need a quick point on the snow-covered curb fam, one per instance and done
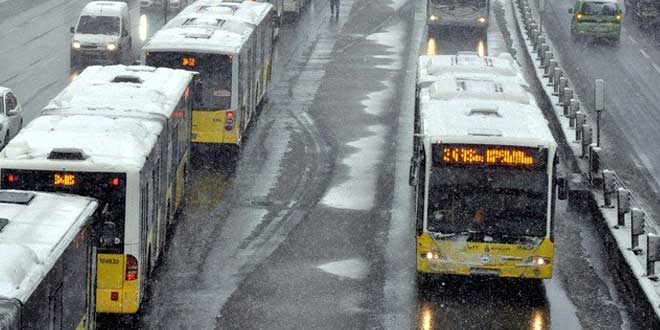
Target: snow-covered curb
(636, 263)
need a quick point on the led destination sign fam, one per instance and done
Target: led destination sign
(488, 155)
(64, 179)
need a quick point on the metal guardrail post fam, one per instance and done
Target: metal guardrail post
(547, 56)
(594, 163)
(609, 183)
(652, 255)
(636, 229)
(566, 102)
(573, 108)
(563, 83)
(586, 139)
(555, 80)
(580, 120)
(622, 206)
(550, 71)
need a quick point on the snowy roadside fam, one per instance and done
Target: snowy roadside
(621, 234)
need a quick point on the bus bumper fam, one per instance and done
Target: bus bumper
(122, 301)
(450, 268)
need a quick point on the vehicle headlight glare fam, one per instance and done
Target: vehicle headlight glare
(482, 20)
(433, 18)
(76, 45)
(111, 47)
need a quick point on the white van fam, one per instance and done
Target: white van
(102, 34)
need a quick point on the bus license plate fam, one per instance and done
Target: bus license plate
(484, 272)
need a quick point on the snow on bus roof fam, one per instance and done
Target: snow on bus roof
(433, 67)
(210, 26)
(478, 86)
(35, 236)
(248, 11)
(195, 39)
(111, 143)
(120, 87)
(485, 121)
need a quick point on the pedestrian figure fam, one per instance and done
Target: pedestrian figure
(334, 7)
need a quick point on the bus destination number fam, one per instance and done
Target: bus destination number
(64, 179)
(485, 155)
(189, 62)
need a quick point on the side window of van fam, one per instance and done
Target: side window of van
(2, 104)
(11, 101)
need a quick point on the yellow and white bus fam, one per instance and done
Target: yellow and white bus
(230, 45)
(121, 135)
(485, 177)
(47, 260)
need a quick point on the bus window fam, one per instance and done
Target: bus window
(213, 84)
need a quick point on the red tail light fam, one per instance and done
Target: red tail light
(115, 181)
(11, 178)
(131, 268)
(229, 120)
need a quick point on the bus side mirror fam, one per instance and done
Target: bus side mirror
(73, 29)
(562, 188)
(570, 10)
(412, 175)
(277, 21)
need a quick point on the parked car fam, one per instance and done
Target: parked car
(102, 33)
(11, 118)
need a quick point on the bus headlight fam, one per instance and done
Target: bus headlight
(540, 261)
(433, 18)
(481, 20)
(431, 256)
(75, 45)
(111, 47)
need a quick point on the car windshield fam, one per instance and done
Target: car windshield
(98, 25)
(599, 8)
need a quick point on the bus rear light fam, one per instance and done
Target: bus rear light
(11, 178)
(115, 181)
(131, 268)
(229, 115)
(114, 296)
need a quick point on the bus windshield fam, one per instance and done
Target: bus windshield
(497, 202)
(214, 82)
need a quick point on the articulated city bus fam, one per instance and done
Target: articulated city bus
(230, 45)
(458, 13)
(47, 256)
(484, 171)
(121, 135)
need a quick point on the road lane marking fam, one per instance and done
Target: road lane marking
(633, 40)
(644, 53)
(656, 67)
